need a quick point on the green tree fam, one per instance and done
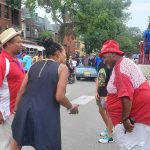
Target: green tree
(94, 21)
(43, 35)
(46, 34)
(14, 3)
(129, 40)
(101, 20)
(62, 12)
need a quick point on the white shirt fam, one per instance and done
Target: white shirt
(74, 63)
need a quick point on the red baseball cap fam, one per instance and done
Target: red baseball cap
(110, 46)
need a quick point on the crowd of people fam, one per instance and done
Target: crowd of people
(30, 107)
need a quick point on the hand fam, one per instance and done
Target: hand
(74, 109)
(1, 118)
(128, 126)
(97, 96)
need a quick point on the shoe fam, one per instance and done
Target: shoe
(104, 133)
(105, 140)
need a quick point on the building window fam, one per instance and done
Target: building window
(6, 13)
(0, 10)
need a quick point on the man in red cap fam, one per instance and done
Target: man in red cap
(128, 99)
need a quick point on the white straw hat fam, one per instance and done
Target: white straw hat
(8, 34)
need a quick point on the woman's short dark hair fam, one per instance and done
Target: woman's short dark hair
(51, 47)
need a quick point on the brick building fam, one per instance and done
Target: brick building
(72, 45)
(9, 17)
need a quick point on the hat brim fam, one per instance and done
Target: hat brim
(119, 52)
(9, 37)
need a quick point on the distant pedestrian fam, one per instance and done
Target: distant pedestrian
(37, 120)
(98, 60)
(11, 77)
(86, 60)
(74, 63)
(147, 43)
(128, 99)
(27, 61)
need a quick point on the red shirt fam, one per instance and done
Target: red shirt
(11, 77)
(128, 80)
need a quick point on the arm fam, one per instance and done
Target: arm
(125, 92)
(61, 90)
(126, 109)
(21, 91)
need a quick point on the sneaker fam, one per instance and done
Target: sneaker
(104, 133)
(105, 140)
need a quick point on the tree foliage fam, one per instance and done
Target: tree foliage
(101, 20)
(61, 11)
(129, 39)
(94, 21)
(44, 34)
(14, 3)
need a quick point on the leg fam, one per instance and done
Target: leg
(102, 112)
(110, 126)
(147, 54)
(14, 146)
(6, 134)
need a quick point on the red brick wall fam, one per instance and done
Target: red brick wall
(6, 22)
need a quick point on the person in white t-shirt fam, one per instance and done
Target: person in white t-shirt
(74, 63)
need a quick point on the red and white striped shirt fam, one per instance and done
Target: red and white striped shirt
(11, 77)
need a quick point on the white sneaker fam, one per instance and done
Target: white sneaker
(105, 140)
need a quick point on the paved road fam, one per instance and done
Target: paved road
(81, 132)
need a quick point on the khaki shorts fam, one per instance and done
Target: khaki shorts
(6, 133)
(101, 102)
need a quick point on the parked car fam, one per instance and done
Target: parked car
(85, 72)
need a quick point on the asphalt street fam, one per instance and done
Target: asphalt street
(81, 132)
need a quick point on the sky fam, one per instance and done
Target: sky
(139, 9)
(140, 12)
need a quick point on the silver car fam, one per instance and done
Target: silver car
(85, 72)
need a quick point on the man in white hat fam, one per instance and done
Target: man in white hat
(11, 77)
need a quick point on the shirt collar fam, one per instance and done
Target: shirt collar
(6, 54)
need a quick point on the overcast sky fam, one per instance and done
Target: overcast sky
(139, 9)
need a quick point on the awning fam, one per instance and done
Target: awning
(39, 48)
